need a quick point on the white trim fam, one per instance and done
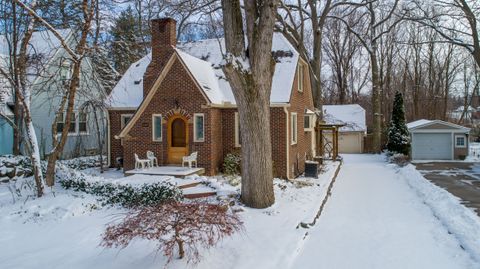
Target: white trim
(310, 126)
(195, 138)
(300, 77)
(153, 127)
(464, 141)
(439, 131)
(122, 117)
(237, 131)
(292, 127)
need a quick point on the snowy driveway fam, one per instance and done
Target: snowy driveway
(375, 220)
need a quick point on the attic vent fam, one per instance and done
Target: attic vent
(136, 82)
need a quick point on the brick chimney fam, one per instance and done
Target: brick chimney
(164, 39)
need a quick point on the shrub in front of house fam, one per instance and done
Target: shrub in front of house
(125, 195)
(232, 164)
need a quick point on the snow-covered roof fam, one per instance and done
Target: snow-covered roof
(204, 58)
(417, 123)
(423, 123)
(203, 73)
(469, 109)
(129, 90)
(353, 116)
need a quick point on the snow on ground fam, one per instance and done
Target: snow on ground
(63, 230)
(375, 219)
(473, 152)
(461, 221)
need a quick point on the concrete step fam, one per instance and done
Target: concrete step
(199, 191)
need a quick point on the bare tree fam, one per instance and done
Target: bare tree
(249, 68)
(456, 21)
(380, 18)
(77, 56)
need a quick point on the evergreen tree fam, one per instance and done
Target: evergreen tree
(398, 135)
(128, 46)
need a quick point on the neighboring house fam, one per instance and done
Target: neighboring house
(469, 116)
(6, 131)
(48, 74)
(351, 136)
(438, 140)
(177, 101)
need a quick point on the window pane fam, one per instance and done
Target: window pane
(157, 128)
(306, 122)
(59, 127)
(82, 127)
(199, 130)
(72, 127)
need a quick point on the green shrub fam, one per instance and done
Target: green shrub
(232, 164)
(126, 195)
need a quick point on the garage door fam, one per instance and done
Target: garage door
(432, 146)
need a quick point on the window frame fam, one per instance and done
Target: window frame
(300, 77)
(195, 138)
(154, 139)
(311, 119)
(122, 119)
(77, 123)
(66, 70)
(237, 131)
(464, 141)
(293, 128)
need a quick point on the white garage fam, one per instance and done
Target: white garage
(438, 140)
(351, 136)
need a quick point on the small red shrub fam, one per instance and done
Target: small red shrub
(187, 226)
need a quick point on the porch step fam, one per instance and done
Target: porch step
(199, 191)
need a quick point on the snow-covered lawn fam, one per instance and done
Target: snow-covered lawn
(383, 216)
(63, 229)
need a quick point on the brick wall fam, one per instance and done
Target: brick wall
(277, 129)
(116, 149)
(177, 89)
(298, 102)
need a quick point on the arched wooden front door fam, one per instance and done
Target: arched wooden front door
(177, 138)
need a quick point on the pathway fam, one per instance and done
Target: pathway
(375, 220)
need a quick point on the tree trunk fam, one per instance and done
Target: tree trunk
(376, 104)
(251, 86)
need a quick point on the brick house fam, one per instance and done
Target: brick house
(176, 100)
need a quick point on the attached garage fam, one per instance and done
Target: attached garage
(438, 140)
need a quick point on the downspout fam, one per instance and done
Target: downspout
(108, 140)
(286, 140)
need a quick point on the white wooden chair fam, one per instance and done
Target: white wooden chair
(141, 162)
(190, 159)
(152, 158)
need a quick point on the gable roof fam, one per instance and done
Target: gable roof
(422, 123)
(204, 60)
(353, 116)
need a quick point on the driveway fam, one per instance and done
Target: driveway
(375, 220)
(461, 179)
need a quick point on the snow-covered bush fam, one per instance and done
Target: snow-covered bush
(399, 159)
(231, 164)
(174, 225)
(84, 162)
(124, 195)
